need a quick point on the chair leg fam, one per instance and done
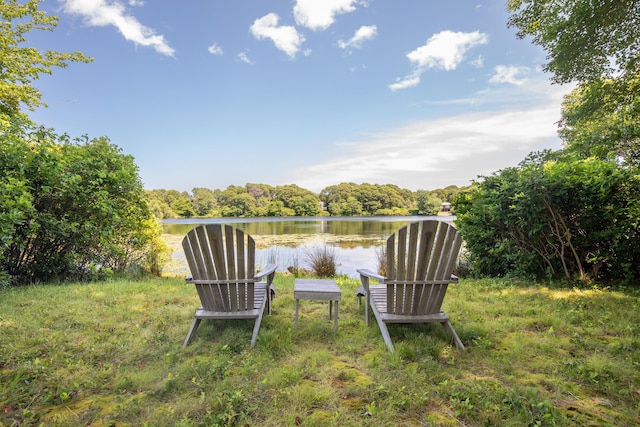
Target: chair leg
(272, 294)
(449, 327)
(383, 328)
(366, 310)
(192, 330)
(256, 326)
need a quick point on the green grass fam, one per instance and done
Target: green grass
(109, 354)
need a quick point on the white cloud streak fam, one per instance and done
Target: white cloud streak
(320, 14)
(454, 150)
(444, 50)
(509, 74)
(99, 13)
(362, 34)
(285, 38)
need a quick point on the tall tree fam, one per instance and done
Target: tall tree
(20, 65)
(597, 44)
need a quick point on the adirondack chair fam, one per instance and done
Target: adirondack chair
(221, 259)
(420, 260)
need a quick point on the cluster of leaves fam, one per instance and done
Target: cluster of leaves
(348, 199)
(585, 40)
(70, 208)
(21, 65)
(601, 118)
(262, 200)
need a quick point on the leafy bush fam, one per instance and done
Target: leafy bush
(555, 216)
(71, 208)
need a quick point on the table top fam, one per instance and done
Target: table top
(319, 289)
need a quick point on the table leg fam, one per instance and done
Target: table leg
(330, 307)
(297, 306)
(335, 320)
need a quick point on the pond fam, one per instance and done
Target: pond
(287, 241)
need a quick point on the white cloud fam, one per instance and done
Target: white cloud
(244, 58)
(320, 14)
(99, 13)
(509, 74)
(435, 153)
(478, 62)
(136, 3)
(444, 50)
(364, 33)
(409, 81)
(285, 38)
(215, 49)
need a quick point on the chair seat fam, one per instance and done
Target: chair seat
(379, 298)
(259, 292)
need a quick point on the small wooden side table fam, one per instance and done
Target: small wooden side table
(318, 289)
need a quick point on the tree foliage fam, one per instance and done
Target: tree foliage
(263, 200)
(584, 39)
(67, 208)
(572, 213)
(554, 217)
(20, 65)
(601, 118)
(71, 208)
(427, 203)
(367, 199)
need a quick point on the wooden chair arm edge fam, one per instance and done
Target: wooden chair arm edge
(268, 270)
(370, 274)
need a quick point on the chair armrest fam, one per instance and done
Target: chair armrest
(365, 275)
(370, 274)
(269, 271)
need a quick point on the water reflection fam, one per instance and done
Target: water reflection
(287, 241)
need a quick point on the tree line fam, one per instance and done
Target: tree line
(263, 200)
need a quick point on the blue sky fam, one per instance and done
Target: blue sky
(205, 93)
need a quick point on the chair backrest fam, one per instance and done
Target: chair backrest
(222, 263)
(420, 260)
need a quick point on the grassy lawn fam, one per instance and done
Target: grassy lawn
(110, 354)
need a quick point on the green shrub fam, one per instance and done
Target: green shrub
(74, 207)
(554, 216)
